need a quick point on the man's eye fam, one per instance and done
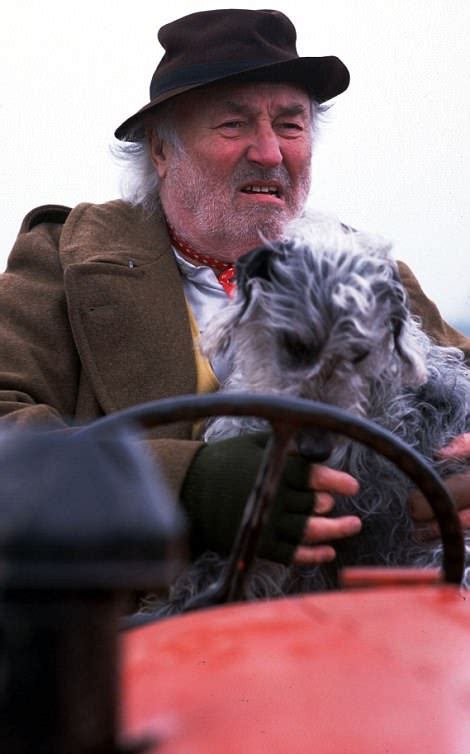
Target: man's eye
(232, 124)
(290, 129)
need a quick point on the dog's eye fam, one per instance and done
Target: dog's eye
(360, 356)
(300, 352)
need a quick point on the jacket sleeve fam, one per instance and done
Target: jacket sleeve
(173, 457)
(39, 366)
(428, 313)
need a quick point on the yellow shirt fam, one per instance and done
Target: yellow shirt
(207, 382)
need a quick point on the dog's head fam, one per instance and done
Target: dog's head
(321, 322)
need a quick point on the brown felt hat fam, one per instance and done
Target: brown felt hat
(234, 45)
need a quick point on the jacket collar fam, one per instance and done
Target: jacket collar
(113, 232)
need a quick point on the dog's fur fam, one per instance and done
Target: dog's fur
(325, 318)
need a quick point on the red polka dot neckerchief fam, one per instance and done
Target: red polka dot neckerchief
(225, 271)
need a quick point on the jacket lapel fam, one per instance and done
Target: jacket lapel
(126, 305)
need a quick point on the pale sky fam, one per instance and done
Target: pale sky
(393, 156)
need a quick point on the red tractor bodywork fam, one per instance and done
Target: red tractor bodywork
(371, 671)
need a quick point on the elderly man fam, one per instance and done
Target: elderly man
(101, 304)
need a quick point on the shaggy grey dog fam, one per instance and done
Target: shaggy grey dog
(326, 318)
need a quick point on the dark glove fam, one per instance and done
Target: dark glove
(216, 488)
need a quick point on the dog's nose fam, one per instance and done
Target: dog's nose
(314, 445)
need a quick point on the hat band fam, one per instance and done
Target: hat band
(202, 73)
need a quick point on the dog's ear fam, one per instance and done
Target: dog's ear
(406, 346)
(399, 315)
(254, 264)
(388, 290)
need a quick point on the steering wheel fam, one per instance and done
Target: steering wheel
(287, 416)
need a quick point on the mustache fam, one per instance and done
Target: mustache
(251, 174)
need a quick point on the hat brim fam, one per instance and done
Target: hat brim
(322, 77)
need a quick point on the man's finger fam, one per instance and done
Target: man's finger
(324, 503)
(458, 448)
(314, 555)
(320, 529)
(429, 531)
(458, 486)
(331, 480)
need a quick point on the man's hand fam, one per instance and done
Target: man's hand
(298, 530)
(458, 448)
(319, 529)
(458, 485)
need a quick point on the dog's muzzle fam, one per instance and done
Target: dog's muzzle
(314, 445)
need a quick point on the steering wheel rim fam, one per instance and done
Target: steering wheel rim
(297, 413)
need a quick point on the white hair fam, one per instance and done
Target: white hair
(140, 182)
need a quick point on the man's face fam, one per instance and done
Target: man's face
(244, 169)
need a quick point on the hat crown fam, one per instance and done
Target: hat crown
(207, 39)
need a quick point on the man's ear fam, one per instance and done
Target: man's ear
(157, 152)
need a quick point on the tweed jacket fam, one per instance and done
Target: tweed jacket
(93, 320)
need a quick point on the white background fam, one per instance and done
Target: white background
(393, 156)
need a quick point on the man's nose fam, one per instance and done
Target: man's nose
(264, 148)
